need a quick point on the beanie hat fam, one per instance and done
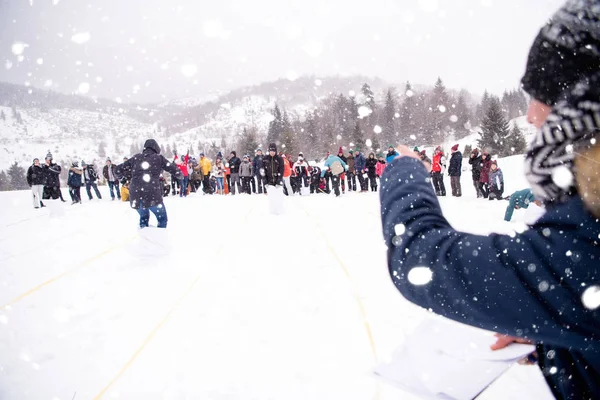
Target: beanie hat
(83, 163)
(75, 164)
(202, 154)
(108, 159)
(416, 149)
(49, 156)
(273, 147)
(455, 147)
(475, 151)
(439, 148)
(494, 162)
(351, 152)
(234, 153)
(340, 150)
(36, 159)
(390, 146)
(259, 149)
(301, 154)
(564, 51)
(423, 153)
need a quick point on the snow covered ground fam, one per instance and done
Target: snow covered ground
(229, 302)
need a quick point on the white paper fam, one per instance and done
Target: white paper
(443, 359)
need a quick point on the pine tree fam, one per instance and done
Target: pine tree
(515, 143)
(275, 126)
(408, 112)
(494, 128)
(482, 108)
(368, 94)
(467, 151)
(390, 130)
(358, 137)
(288, 137)
(311, 133)
(439, 107)
(463, 115)
(2, 116)
(248, 141)
(168, 152)
(18, 177)
(4, 182)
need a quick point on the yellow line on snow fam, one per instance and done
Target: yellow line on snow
(67, 272)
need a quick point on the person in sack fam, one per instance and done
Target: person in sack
(206, 168)
(90, 177)
(539, 286)
(381, 163)
(336, 167)
(273, 167)
(113, 183)
(75, 182)
(496, 182)
(36, 180)
(145, 189)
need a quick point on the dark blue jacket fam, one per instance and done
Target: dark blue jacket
(529, 285)
(74, 179)
(521, 199)
(455, 164)
(360, 162)
(257, 164)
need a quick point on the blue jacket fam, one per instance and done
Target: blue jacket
(391, 156)
(521, 199)
(74, 179)
(330, 160)
(528, 285)
(360, 162)
(455, 167)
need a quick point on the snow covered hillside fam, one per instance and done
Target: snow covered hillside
(229, 302)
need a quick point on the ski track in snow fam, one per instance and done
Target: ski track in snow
(229, 302)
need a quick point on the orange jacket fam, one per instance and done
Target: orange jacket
(287, 169)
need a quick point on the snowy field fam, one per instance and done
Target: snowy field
(229, 302)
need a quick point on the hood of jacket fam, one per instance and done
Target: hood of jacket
(152, 145)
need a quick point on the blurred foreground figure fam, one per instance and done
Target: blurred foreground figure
(542, 285)
(145, 188)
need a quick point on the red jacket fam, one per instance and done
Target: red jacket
(287, 169)
(184, 166)
(436, 165)
(379, 168)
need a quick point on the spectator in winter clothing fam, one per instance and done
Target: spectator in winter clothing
(391, 154)
(246, 174)
(454, 170)
(381, 163)
(219, 174)
(476, 163)
(287, 173)
(301, 173)
(426, 160)
(36, 179)
(51, 179)
(343, 175)
(438, 168)
(540, 285)
(351, 173)
(113, 183)
(234, 167)
(75, 182)
(315, 179)
(145, 190)
(206, 167)
(484, 175)
(182, 164)
(90, 177)
(519, 199)
(372, 171)
(273, 167)
(257, 166)
(359, 166)
(126, 176)
(496, 182)
(336, 167)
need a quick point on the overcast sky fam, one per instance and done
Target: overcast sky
(151, 50)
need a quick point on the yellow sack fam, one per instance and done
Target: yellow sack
(125, 193)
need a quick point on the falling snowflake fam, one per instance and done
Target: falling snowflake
(99, 79)
(419, 276)
(453, 118)
(543, 286)
(562, 177)
(377, 129)
(351, 93)
(399, 229)
(81, 37)
(591, 297)
(8, 64)
(442, 109)
(318, 82)
(83, 88)
(18, 48)
(40, 61)
(364, 111)
(410, 93)
(146, 178)
(368, 143)
(413, 137)
(145, 165)
(339, 137)
(397, 115)
(531, 268)
(189, 70)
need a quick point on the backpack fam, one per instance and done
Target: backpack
(336, 168)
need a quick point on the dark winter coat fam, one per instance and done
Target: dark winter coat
(455, 167)
(105, 171)
(145, 188)
(51, 175)
(350, 162)
(497, 180)
(90, 174)
(529, 285)
(257, 164)
(234, 165)
(359, 162)
(371, 166)
(476, 167)
(75, 179)
(36, 175)
(343, 158)
(484, 174)
(273, 167)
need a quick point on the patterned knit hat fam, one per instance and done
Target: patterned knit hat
(49, 156)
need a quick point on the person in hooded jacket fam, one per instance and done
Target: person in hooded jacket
(315, 178)
(90, 177)
(484, 174)
(496, 182)
(246, 174)
(455, 170)
(391, 154)
(145, 189)
(372, 171)
(301, 173)
(335, 167)
(75, 182)
(234, 167)
(438, 167)
(351, 173)
(51, 179)
(475, 160)
(540, 285)
(36, 180)
(257, 166)
(359, 166)
(273, 167)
